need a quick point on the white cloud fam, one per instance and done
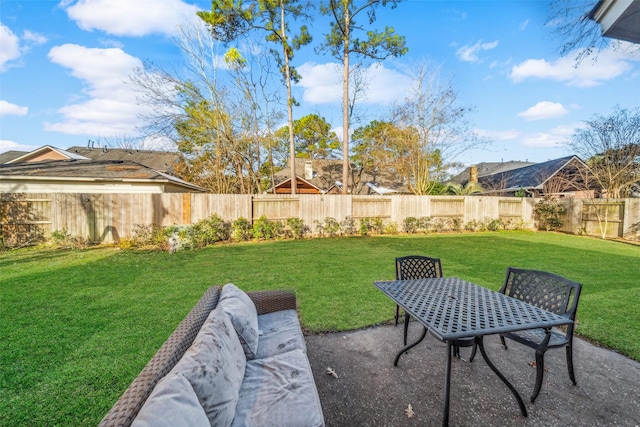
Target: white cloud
(130, 18)
(9, 109)
(34, 38)
(609, 65)
(9, 47)
(553, 138)
(322, 84)
(470, 53)
(498, 135)
(8, 145)
(544, 110)
(112, 108)
(524, 25)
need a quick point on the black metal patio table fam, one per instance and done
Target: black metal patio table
(452, 308)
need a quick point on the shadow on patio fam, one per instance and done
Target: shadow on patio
(370, 391)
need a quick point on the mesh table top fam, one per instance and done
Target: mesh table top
(454, 308)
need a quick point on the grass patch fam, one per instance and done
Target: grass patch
(78, 326)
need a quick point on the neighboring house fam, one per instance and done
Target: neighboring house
(49, 169)
(487, 168)
(322, 176)
(162, 161)
(618, 19)
(88, 176)
(561, 177)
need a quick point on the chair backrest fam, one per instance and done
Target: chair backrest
(544, 290)
(417, 267)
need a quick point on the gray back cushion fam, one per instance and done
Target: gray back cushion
(244, 317)
(215, 366)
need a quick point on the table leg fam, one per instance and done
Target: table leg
(523, 409)
(447, 387)
(413, 344)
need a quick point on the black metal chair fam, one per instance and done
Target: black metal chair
(552, 293)
(422, 267)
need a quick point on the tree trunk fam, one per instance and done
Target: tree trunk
(345, 103)
(292, 148)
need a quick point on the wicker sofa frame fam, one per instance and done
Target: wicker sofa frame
(127, 407)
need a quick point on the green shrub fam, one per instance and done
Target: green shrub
(424, 224)
(493, 224)
(208, 231)
(456, 224)
(331, 226)
(241, 230)
(548, 213)
(365, 226)
(297, 227)
(265, 229)
(410, 225)
(391, 228)
(348, 226)
(376, 225)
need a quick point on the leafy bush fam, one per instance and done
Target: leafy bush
(208, 231)
(424, 223)
(365, 226)
(265, 229)
(331, 226)
(410, 225)
(377, 225)
(493, 224)
(391, 228)
(241, 230)
(297, 227)
(348, 226)
(456, 223)
(548, 212)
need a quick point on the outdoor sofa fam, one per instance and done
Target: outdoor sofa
(237, 359)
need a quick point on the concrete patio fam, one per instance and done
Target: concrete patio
(370, 391)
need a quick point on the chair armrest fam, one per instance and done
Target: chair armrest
(270, 301)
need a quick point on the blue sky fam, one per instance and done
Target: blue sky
(64, 67)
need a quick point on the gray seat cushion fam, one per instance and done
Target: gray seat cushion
(215, 367)
(280, 332)
(279, 391)
(244, 317)
(172, 403)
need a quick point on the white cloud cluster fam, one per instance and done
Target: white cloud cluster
(610, 64)
(13, 47)
(552, 138)
(470, 53)
(9, 47)
(544, 110)
(112, 108)
(322, 84)
(9, 109)
(130, 18)
(498, 135)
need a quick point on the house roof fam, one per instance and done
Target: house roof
(528, 177)
(618, 19)
(10, 155)
(158, 160)
(93, 170)
(46, 152)
(488, 168)
(326, 174)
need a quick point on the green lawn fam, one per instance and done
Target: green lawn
(77, 326)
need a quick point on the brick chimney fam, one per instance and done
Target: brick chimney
(473, 174)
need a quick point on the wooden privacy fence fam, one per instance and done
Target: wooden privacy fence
(103, 218)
